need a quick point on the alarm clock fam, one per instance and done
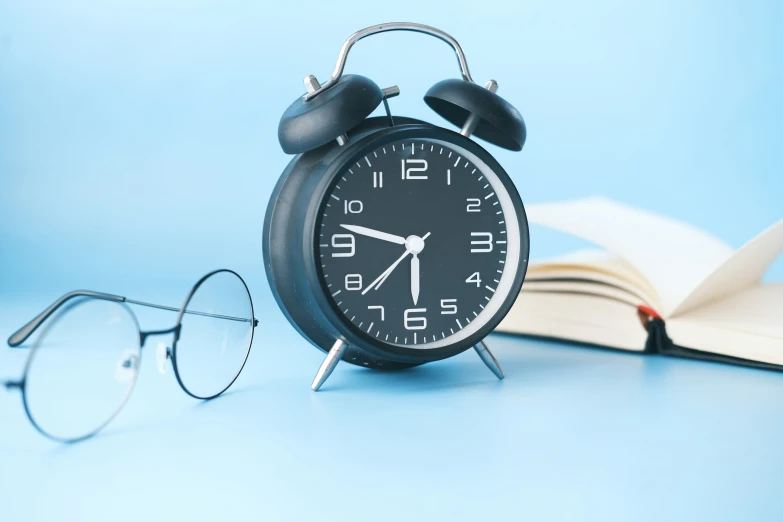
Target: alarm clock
(390, 242)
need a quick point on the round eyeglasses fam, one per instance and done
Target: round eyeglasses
(85, 361)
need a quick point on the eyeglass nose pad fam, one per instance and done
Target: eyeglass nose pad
(127, 366)
(161, 354)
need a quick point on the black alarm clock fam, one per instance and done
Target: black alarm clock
(391, 242)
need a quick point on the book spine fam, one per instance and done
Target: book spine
(658, 340)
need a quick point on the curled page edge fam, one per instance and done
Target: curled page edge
(742, 270)
(673, 256)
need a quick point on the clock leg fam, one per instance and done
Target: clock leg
(332, 358)
(488, 359)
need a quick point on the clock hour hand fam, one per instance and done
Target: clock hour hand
(377, 234)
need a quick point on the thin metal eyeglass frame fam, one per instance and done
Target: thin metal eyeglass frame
(22, 334)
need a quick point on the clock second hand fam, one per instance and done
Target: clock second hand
(386, 273)
(381, 278)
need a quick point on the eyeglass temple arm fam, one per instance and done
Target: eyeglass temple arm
(22, 334)
(27, 330)
(192, 312)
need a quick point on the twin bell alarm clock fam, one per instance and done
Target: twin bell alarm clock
(391, 242)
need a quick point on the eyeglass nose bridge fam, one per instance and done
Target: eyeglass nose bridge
(143, 336)
(162, 352)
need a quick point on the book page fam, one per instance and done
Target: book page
(598, 265)
(742, 270)
(574, 317)
(754, 310)
(748, 325)
(673, 256)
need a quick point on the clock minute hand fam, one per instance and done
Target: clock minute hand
(415, 276)
(377, 234)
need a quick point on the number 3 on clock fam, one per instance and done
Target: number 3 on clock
(482, 245)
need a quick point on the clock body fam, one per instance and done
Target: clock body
(409, 243)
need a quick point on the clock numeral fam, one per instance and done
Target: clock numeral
(448, 306)
(344, 241)
(484, 244)
(353, 281)
(413, 322)
(353, 207)
(448, 176)
(408, 173)
(474, 204)
(474, 278)
(378, 307)
(377, 179)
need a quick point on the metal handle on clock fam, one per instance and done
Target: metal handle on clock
(382, 28)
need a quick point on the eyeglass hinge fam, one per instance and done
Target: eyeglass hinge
(13, 384)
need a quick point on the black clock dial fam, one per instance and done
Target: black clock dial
(418, 243)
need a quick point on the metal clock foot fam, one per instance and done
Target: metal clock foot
(327, 367)
(489, 359)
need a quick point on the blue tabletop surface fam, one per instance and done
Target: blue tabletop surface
(570, 434)
(138, 149)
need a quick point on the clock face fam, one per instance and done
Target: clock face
(418, 243)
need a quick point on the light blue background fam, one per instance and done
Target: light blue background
(138, 149)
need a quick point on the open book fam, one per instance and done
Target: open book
(658, 285)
